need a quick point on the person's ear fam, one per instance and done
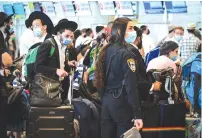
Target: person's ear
(45, 27)
(169, 54)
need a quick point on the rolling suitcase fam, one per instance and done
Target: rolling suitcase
(50, 122)
(164, 118)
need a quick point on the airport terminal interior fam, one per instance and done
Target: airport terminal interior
(100, 69)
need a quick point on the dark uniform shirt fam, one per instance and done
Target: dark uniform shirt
(122, 70)
(145, 79)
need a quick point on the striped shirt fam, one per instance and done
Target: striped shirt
(80, 69)
(188, 46)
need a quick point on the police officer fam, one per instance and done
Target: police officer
(116, 76)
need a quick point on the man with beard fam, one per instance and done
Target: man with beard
(145, 80)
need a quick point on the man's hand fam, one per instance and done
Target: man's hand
(177, 62)
(86, 77)
(16, 73)
(157, 86)
(61, 73)
(6, 72)
(138, 123)
(72, 63)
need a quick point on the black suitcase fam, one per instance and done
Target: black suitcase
(50, 122)
(163, 120)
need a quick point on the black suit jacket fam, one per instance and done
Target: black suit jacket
(2, 41)
(45, 64)
(145, 79)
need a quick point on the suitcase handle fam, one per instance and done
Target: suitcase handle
(70, 92)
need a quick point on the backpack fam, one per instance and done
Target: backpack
(191, 85)
(93, 58)
(152, 54)
(31, 58)
(86, 113)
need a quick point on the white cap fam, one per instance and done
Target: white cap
(191, 26)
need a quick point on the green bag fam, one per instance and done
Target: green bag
(30, 59)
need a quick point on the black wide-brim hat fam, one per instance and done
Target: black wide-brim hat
(99, 28)
(4, 17)
(65, 24)
(27, 23)
(42, 16)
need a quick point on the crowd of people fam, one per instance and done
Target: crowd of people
(112, 63)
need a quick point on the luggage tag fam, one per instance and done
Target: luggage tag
(170, 100)
(168, 88)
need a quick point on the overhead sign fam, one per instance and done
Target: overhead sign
(134, 7)
(153, 7)
(176, 6)
(124, 8)
(37, 6)
(68, 8)
(82, 8)
(106, 7)
(59, 10)
(48, 8)
(19, 8)
(8, 9)
(1, 8)
(34, 6)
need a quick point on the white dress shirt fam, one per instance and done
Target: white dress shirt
(147, 43)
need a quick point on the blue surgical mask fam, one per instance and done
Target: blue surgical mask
(66, 41)
(131, 37)
(37, 32)
(178, 37)
(174, 58)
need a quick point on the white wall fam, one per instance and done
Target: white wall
(157, 22)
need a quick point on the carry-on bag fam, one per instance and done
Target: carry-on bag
(131, 133)
(85, 112)
(51, 122)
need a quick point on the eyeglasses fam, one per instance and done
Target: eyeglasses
(35, 26)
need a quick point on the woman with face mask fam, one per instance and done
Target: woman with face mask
(167, 58)
(116, 80)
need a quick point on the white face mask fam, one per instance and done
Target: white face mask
(178, 37)
(37, 32)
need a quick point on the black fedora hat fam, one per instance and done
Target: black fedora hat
(42, 16)
(27, 23)
(65, 24)
(4, 17)
(99, 28)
